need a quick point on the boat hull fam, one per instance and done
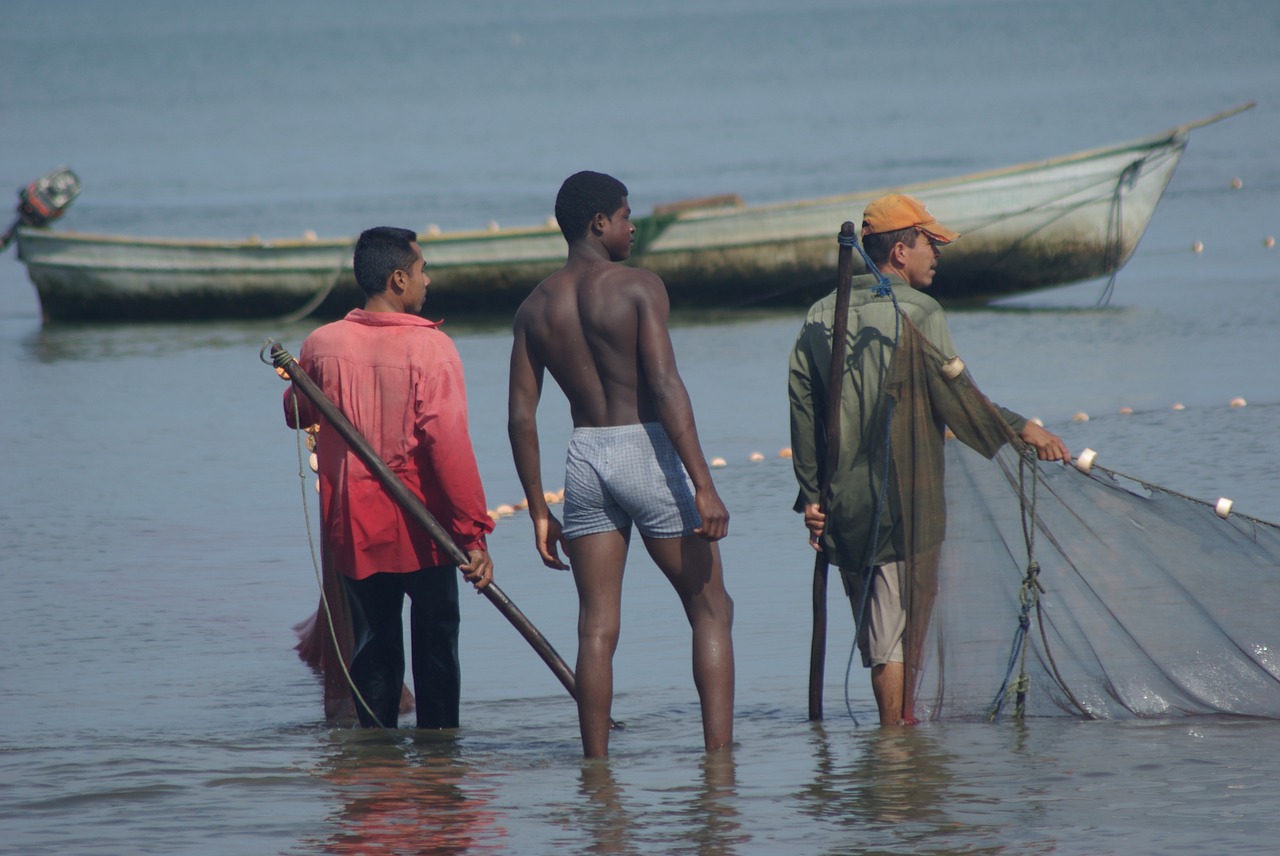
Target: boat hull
(1024, 228)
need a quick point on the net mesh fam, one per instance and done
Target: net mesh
(326, 641)
(1036, 589)
(1152, 605)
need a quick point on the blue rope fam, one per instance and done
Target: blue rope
(1029, 595)
(1017, 652)
(882, 288)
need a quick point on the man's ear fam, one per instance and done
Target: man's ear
(898, 254)
(395, 282)
(599, 222)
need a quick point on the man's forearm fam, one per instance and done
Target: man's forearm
(675, 413)
(528, 460)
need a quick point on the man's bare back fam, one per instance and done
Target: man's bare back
(600, 329)
(584, 325)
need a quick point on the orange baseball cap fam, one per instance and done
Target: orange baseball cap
(899, 211)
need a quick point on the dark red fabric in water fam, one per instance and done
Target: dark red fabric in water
(326, 649)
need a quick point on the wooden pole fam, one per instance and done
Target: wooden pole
(417, 511)
(835, 385)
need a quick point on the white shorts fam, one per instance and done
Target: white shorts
(885, 620)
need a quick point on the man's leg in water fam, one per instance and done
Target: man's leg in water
(888, 684)
(693, 567)
(880, 631)
(887, 615)
(597, 561)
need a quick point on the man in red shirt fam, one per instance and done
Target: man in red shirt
(399, 381)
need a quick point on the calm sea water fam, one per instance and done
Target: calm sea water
(153, 525)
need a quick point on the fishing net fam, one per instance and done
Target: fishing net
(326, 640)
(1148, 603)
(1038, 589)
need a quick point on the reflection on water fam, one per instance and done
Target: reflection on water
(715, 808)
(63, 341)
(903, 791)
(603, 813)
(98, 342)
(414, 796)
(901, 776)
(701, 817)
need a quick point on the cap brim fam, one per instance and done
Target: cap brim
(938, 232)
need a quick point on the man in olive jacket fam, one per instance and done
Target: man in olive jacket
(902, 239)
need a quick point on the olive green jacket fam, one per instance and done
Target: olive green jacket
(856, 484)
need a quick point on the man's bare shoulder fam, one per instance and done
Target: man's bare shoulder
(568, 283)
(624, 275)
(537, 299)
(637, 287)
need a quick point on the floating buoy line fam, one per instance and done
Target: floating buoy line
(1083, 463)
(557, 496)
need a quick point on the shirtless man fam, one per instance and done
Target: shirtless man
(600, 328)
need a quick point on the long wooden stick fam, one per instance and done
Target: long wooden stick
(417, 511)
(835, 385)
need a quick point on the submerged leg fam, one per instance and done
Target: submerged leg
(597, 562)
(888, 685)
(693, 567)
(881, 622)
(433, 628)
(377, 663)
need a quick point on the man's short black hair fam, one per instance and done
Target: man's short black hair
(380, 252)
(584, 195)
(879, 245)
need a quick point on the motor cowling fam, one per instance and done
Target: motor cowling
(45, 199)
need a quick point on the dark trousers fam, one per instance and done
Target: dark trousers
(377, 663)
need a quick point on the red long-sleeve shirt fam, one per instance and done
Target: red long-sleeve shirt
(399, 380)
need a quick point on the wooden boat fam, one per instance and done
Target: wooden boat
(1025, 227)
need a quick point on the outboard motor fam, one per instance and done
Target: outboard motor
(43, 201)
